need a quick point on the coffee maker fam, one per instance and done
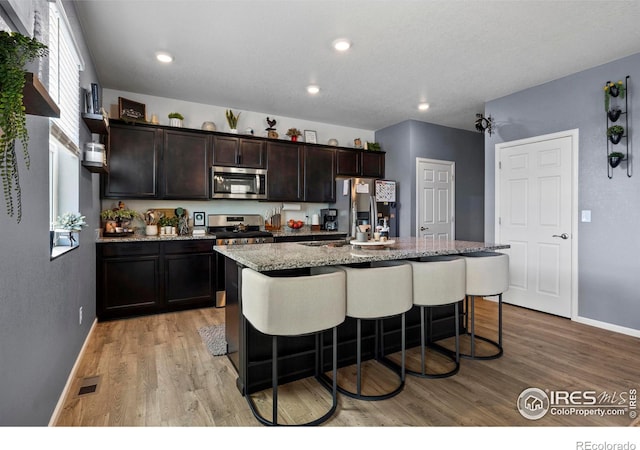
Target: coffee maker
(329, 219)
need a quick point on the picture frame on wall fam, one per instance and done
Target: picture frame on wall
(132, 110)
(310, 137)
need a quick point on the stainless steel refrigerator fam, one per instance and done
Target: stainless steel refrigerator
(366, 201)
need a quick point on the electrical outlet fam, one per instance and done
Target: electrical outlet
(80, 316)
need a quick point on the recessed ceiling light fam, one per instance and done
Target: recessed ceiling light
(342, 45)
(423, 106)
(164, 57)
(313, 89)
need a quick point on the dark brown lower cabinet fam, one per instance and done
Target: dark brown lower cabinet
(144, 278)
(189, 274)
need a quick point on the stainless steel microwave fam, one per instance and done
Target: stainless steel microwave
(238, 183)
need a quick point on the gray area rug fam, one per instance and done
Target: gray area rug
(214, 338)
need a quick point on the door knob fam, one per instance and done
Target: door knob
(563, 235)
(424, 228)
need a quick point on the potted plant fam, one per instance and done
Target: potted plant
(373, 146)
(71, 222)
(175, 119)
(612, 90)
(615, 158)
(167, 223)
(614, 133)
(293, 133)
(232, 121)
(117, 218)
(16, 50)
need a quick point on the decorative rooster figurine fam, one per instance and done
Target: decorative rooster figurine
(271, 123)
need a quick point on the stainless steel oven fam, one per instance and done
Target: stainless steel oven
(238, 183)
(234, 229)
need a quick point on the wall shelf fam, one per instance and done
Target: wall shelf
(36, 99)
(95, 167)
(97, 123)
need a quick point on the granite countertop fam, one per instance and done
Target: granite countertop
(144, 238)
(292, 255)
(304, 231)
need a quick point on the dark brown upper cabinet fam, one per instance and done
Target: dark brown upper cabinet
(185, 165)
(359, 163)
(372, 164)
(238, 152)
(134, 158)
(319, 174)
(151, 162)
(348, 162)
(284, 171)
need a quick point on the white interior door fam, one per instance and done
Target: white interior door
(535, 203)
(435, 186)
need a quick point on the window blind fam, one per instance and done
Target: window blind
(64, 75)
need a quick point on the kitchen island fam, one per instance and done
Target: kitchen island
(295, 259)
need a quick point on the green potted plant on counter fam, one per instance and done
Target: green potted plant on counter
(16, 50)
(116, 218)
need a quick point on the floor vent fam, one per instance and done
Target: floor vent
(88, 385)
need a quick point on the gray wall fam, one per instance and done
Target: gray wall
(411, 139)
(608, 281)
(39, 299)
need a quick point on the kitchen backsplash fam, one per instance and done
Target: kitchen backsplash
(223, 207)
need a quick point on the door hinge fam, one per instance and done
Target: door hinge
(499, 220)
(500, 165)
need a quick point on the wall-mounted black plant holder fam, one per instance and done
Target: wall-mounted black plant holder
(617, 132)
(615, 158)
(614, 113)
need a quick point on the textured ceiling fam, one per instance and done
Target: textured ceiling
(260, 55)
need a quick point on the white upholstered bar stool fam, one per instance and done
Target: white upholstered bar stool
(438, 281)
(377, 292)
(294, 306)
(487, 275)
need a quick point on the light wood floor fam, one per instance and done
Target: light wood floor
(156, 371)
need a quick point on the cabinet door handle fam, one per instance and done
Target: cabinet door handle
(561, 236)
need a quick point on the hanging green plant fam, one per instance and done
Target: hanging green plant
(612, 90)
(16, 50)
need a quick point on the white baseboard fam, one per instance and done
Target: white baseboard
(70, 379)
(607, 326)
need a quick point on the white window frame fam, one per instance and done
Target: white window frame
(64, 145)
